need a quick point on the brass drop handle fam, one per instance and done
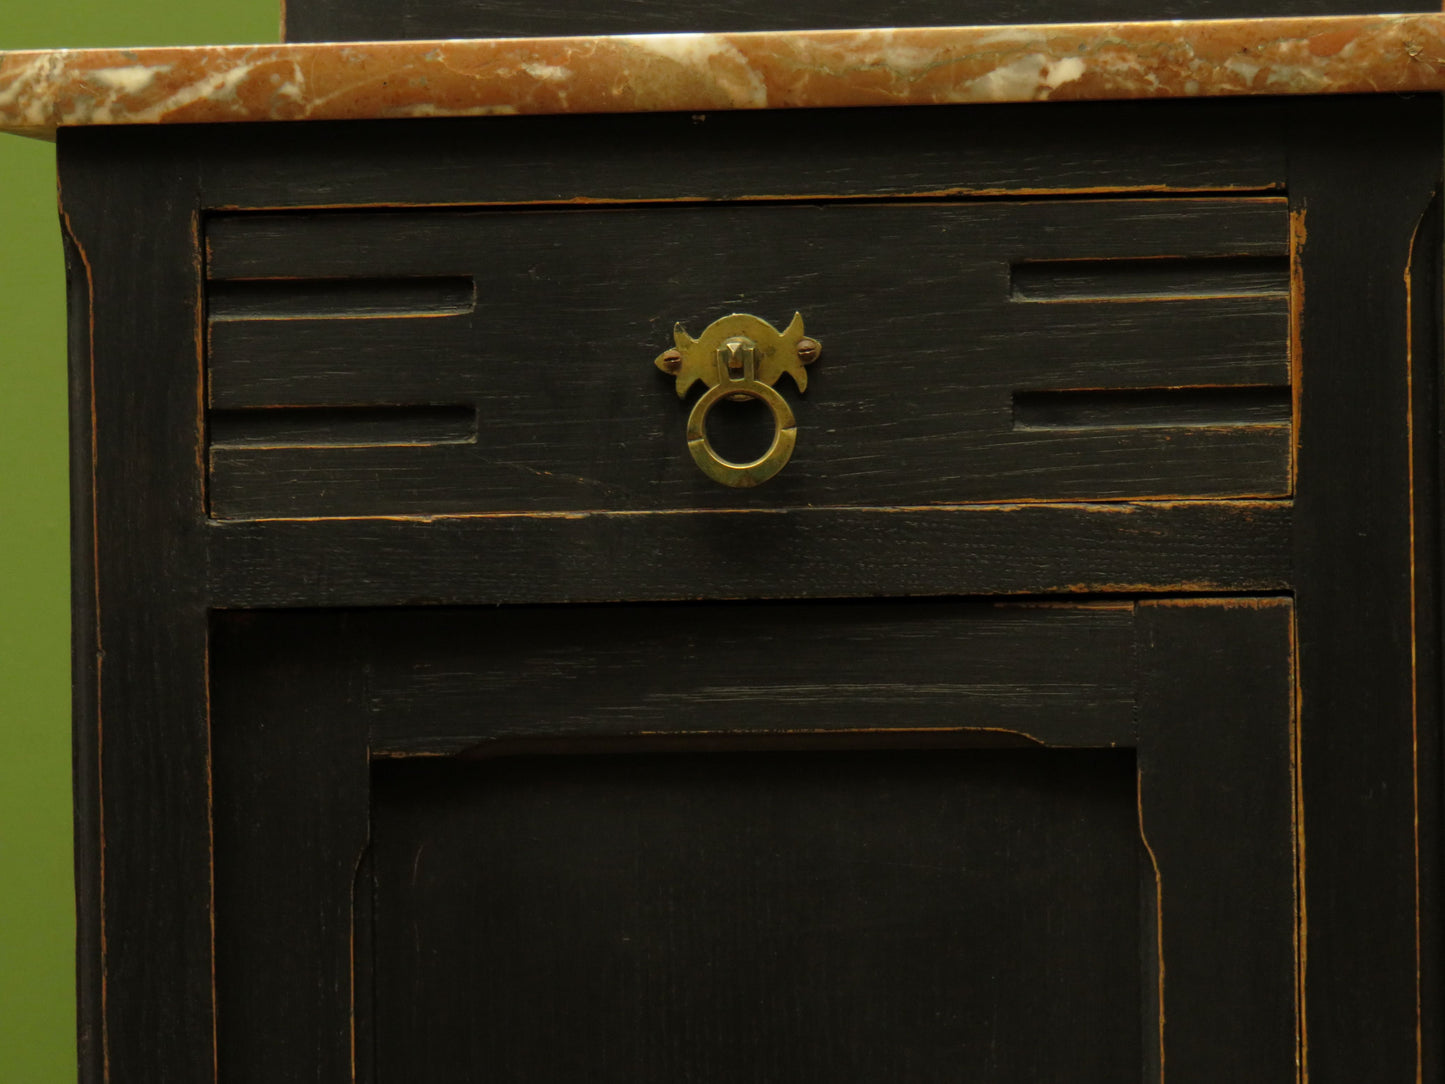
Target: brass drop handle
(740, 357)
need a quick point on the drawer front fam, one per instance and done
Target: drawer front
(442, 361)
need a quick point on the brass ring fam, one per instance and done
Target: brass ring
(742, 475)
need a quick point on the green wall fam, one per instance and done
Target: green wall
(37, 923)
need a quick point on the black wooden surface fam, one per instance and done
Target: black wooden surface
(913, 402)
(290, 791)
(1008, 549)
(85, 758)
(367, 20)
(1019, 675)
(896, 916)
(1355, 549)
(1426, 301)
(698, 878)
(993, 151)
(1217, 770)
(141, 721)
(1359, 593)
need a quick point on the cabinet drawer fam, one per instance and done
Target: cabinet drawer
(452, 361)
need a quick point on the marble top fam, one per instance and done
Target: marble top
(41, 91)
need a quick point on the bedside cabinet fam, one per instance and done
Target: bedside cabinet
(1065, 708)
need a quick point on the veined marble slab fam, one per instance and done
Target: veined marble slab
(41, 91)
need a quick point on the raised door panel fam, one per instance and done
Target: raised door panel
(740, 842)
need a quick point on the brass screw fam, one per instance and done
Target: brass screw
(808, 350)
(670, 360)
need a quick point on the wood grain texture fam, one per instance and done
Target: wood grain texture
(912, 396)
(1197, 147)
(1216, 804)
(142, 728)
(339, 298)
(797, 553)
(724, 917)
(292, 794)
(1124, 408)
(1123, 279)
(1355, 595)
(603, 754)
(84, 667)
(291, 693)
(1425, 304)
(1020, 675)
(350, 426)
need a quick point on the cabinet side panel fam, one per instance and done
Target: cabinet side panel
(1363, 174)
(1425, 326)
(85, 664)
(144, 741)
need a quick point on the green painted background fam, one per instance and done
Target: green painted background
(37, 923)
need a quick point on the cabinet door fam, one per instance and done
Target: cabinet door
(723, 842)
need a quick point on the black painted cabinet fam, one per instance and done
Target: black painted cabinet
(1066, 709)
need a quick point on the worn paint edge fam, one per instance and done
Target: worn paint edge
(98, 654)
(1298, 234)
(1410, 301)
(202, 479)
(991, 194)
(1301, 924)
(1158, 918)
(1120, 506)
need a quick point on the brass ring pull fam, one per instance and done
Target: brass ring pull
(742, 475)
(740, 357)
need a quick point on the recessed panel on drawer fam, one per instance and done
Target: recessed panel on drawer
(453, 361)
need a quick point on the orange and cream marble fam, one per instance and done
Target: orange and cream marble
(44, 90)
